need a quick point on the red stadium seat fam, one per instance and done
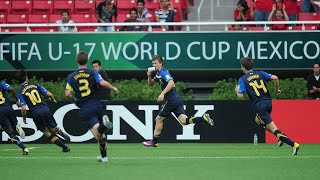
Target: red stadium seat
(43, 29)
(85, 7)
(256, 28)
(83, 18)
(5, 6)
(60, 5)
(153, 5)
(54, 17)
(42, 6)
(38, 18)
(3, 18)
(124, 6)
(308, 27)
(309, 17)
(21, 6)
(16, 18)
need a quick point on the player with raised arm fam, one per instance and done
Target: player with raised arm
(170, 100)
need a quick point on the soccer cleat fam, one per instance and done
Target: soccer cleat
(25, 151)
(208, 119)
(295, 148)
(63, 135)
(280, 143)
(107, 122)
(149, 144)
(20, 131)
(66, 150)
(101, 159)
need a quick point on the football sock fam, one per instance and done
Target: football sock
(283, 137)
(194, 120)
(102, 128)
(103, 147)
(54, 139)
(16, 140)
(156, 136)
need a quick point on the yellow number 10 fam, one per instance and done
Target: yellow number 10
(34, 96)
(256, 86)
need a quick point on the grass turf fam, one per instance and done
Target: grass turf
(168, 161)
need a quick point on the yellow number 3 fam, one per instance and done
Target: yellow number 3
(256, 86)
(2, 99)
(84, 87)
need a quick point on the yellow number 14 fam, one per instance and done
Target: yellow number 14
(257, 86)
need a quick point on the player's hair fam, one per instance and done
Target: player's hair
(157, 57)
(21, 76)
(134, 9)
(65, 11)
(246, 62)
(82, 58)
(316, 63)
(141, 1)
(96, 61)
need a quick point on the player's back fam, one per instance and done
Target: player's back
(256, 85)
(30, 94)
(85, 86)
(4, 100)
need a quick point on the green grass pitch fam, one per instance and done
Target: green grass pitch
(176, 161)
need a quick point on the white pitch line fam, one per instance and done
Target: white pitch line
(17, 149)
(179, 157)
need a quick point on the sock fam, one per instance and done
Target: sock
(101, 128)
(54, 139)
(283, 137)
(103, 147)
(156, 137)
(194, 120)
(16, 140)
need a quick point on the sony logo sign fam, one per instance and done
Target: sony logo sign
(120, 112)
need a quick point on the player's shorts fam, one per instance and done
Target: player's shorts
(7, 117)
(91, 114)
(263, 110)
(43, 118)
(174, 105)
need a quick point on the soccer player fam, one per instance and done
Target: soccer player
(30, 94)
(254, 83)
(8, 119)
(171, 101)
(84, 82)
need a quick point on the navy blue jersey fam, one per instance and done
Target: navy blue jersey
(85, 84)
(30, 94)
(254, 83)
(4, 101)
(163, 77)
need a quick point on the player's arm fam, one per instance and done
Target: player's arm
(68, 93)
(240, 89)
(150, 80)
(99, 79)
(23, 107)
(169, 86)
(276, 84)
(47, 93)
(51, 96)
(13, 92)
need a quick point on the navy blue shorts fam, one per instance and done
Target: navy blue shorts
(172, 105)
(263, 110)
(43, 118)
(7, 118)
(91, 114)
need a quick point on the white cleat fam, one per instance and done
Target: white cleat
(101, 159)
(107, 122)
(20, 131)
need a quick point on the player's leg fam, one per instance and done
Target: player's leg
(6, 126)
(156, 133)
(14, 123)
(54, 139)
(102, 141)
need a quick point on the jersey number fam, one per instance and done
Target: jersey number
(2, 99)
(34, 96)
(84, 87)
(257, 86)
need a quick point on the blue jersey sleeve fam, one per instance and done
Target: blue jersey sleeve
(5, 86)
(21, 99)
(97, 77)
(266, 75)
(241, 86)
(166, 76)
(42, 90)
